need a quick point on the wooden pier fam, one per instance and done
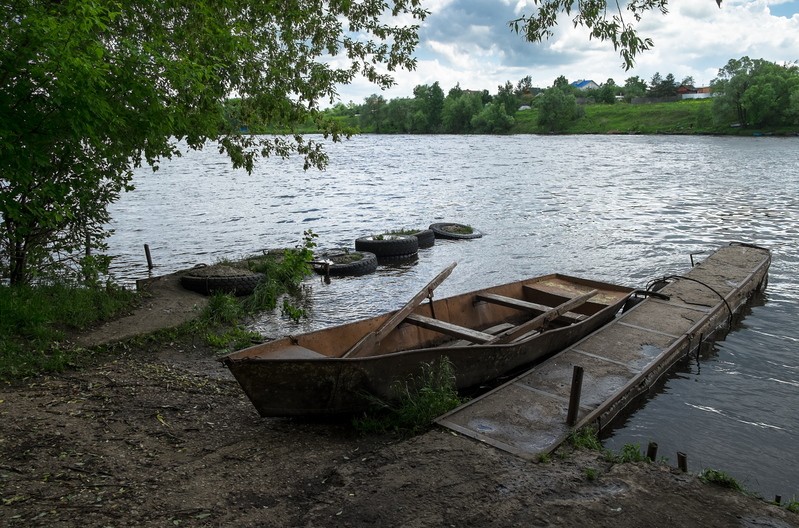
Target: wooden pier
(603, 373)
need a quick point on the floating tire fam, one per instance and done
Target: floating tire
(346, 263)
(451, 231)
(222, 279)
(398, 259)
(426, 238)
(388, 245)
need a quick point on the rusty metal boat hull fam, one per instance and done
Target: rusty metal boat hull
(309, 374)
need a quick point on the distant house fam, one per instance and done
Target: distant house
(689, 92)
(585, 85)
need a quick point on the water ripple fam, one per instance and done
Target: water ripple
(620, 208)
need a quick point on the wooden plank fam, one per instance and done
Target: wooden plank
(494, 330)
(512, 302)
(461, 332)
(369, 343)
(542, 320)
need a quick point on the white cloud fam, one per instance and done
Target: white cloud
(469, 42)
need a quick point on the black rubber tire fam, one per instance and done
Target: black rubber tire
(239, 285)
(426, 238)
(398, 259)
(440, 230)
(347, 267)
(390, 246)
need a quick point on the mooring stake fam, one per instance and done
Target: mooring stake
(682, 461)
(652, 451)
(149, 258)
(778, 499)
(576, 392)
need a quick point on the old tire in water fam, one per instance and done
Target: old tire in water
(388, 245)
(452, 231)
(345, 263)
(426, 238)
(398, 259)
(208, 280)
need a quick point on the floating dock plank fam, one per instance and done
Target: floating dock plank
(527, 415)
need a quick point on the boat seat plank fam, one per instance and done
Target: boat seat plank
(511, 302)
(494, 330)
(444, 327)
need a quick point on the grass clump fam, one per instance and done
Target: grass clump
(420, 400)
(36, 320)
(720, 478)
(458, 229)
(283, 273)
(585, 438)
(793, 506)
(631, 453)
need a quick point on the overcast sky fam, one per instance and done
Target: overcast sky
(469, 42)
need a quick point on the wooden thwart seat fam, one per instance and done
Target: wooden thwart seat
(511, 302)
(494, 330)
(461, 332)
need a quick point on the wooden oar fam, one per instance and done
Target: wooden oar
(367, 345)
(542, 320)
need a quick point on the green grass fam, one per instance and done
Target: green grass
(591, 474)
(37, 319)
(793, 506)
(720, 478)
(631, 453)
(694, 116)
(585, 438)
(420, 400)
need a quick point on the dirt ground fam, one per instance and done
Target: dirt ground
(163, 436)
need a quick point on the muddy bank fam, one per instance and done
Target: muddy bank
(161, 435)
(164, 437)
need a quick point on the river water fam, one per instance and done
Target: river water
(623, 209)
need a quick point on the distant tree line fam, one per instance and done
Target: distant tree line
(746, 91)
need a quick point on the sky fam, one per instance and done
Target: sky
(469, 42)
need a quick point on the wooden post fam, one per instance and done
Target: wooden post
(652, 451)
(576, 392)
(149, 258)
(682, 461)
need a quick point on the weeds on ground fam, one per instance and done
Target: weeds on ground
(720, 478)
(630, 453)
(591, 474)
(419, 401)
(793, 506)
(36, 319)
(585, 438)
(283, 274)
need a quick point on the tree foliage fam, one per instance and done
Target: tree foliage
(606, 21)
(557, 108)
(92, 89)
(757, 92)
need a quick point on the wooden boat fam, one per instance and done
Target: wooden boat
(484, 334)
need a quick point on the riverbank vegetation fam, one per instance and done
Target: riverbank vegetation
(748, 97)
(38, 320)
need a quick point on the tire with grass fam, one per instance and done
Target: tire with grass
(452, 231)
(388, 245)
(346, 263)
(208, 280)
